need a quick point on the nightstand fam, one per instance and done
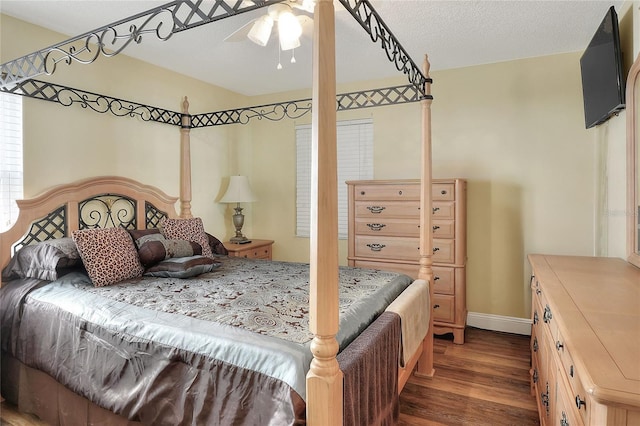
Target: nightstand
(256, 249)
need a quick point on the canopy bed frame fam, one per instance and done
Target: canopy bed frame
(324, 403)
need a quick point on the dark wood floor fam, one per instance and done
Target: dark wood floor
(483, 382)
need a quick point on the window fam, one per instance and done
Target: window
(355, 161)
(11, 158)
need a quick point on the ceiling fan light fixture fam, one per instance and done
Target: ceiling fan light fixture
(261, 30)
(289, 31)
(308, 5)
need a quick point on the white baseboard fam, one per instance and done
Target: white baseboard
(499, 323)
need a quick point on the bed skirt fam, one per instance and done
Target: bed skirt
(35, 392)
(369, 364)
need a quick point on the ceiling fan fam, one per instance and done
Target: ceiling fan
(280, 17)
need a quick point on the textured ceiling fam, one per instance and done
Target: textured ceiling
(453, 33)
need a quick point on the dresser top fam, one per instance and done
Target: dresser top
(596, 302)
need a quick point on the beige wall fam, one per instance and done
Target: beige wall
(611, 158)
(515, 130)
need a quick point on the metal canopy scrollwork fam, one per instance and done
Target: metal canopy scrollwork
(368, 18)
(296, 109)
(110, 40)
(378, 97)
(179, 16)
(271, 112)
(69, 96)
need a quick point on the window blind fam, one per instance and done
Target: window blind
(355, 161)
(11, 183)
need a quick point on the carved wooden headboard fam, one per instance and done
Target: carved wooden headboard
(99, 202)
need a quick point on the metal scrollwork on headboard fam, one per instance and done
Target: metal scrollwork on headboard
(107, 210)
(153, 216)
(53, 225)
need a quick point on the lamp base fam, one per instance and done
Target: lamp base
(240, 240)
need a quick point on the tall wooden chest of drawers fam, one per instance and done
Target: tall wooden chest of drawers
(384, 233)
(585, 340)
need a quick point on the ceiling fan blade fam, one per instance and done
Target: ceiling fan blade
(241, 33)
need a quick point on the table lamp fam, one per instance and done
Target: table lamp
(238, 192)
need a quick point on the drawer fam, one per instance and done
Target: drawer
(442, 192)
(403, 268)
(443, 210)
(443, 280)
(257, 253)
(575, 391)
(566, 411)
(398, 191)
(443, 228)
(403, 248)
(389, 227)
(387, 209)
(443, 251)
(548, 323)
(444, 308)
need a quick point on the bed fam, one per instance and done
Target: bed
(324, 399)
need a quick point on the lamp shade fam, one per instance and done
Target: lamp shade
(261, 30)
(238, 191)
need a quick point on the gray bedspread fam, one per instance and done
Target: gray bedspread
(227, 347)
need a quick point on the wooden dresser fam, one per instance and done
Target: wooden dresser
(585, 340)
(384, 220)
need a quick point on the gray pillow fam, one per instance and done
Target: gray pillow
(182, 267)
(47, 260)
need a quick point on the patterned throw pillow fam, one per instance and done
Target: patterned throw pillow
(108, 254)
(187, 229)
(152, 252)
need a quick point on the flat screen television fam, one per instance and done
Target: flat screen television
(601, 68)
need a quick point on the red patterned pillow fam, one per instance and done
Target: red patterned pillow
(109, 255)
(187, 229)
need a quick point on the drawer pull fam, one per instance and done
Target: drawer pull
(376, 226)
(435, 209)
(376, 209)
(580, 402)
(544, 398)
(538, 291)
(535, 376)
(546, 317)
(435, 249)
(362, 192)
(436, 227)
(399, 192)
(559, 345)
(535, 318)
(436, 278)
(535, 344)
(443, 192)
(376, 246)
(436, 306)
(571, 371)
(563, 420)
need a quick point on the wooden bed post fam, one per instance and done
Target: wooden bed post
(185, 161)
(324, 380)
(425, 363)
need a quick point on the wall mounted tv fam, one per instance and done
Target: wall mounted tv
(601, 67)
